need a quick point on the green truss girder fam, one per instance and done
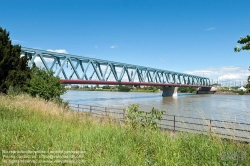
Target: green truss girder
(144, 74)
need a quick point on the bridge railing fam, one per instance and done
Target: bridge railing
(224, 129)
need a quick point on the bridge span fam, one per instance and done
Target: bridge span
(74, 69)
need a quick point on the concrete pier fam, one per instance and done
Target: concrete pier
(169, 91)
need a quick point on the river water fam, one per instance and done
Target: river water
(212, 106)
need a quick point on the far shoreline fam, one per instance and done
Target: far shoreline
(149, 91)
(230, 93)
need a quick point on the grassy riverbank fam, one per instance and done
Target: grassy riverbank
(36, 125)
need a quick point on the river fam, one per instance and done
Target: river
(212, 106)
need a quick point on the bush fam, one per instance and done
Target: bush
(123, 88)
(241, 92)
(14, 91)
(44, 85)
(186, 89)
(137, 118)
(106, 87)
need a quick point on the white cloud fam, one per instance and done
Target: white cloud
(17, 41)
(58, 51)
(113, 46)
(210, 29)
(229, 77)
(40, 64)
(225, 73)
(162, 60)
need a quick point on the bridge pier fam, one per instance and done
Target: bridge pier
(169, 91)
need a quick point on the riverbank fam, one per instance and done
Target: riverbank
(229, 93)
(31, 124)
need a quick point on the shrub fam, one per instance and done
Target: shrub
(241, 92)
(44, 85)
(123, 88)
(13, 91)
(137, 118)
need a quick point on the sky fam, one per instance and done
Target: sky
(189, 36)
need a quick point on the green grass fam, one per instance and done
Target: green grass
(33, 124)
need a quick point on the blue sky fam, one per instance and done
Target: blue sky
(191, 36)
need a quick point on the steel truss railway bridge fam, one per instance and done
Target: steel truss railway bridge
(84, 70)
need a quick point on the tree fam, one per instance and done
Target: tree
(248, 85)
(15, 73)
(44, 85)
(186, 89)
(246, 41)
(14, 70)
(106, 87)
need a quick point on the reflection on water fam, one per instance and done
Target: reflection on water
(222, 107)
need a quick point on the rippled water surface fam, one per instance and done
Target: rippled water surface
(215, 106)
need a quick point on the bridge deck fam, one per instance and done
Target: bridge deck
(125, 83)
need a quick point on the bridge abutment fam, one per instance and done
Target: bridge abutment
(169, 91)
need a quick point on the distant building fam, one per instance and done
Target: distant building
(242, 88)
(68, 86)
(81, 86)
